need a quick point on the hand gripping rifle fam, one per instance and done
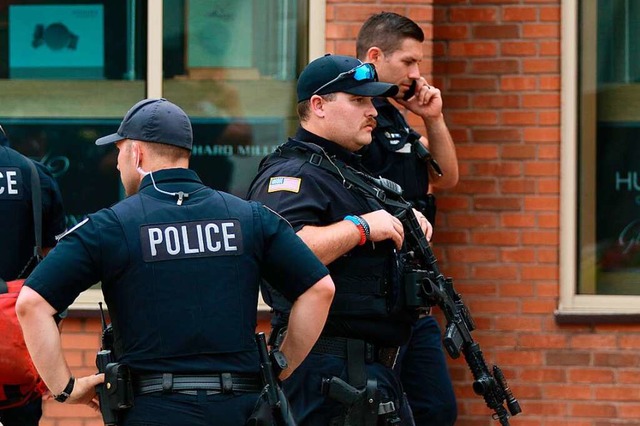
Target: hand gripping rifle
(425, 285)
(275, 397)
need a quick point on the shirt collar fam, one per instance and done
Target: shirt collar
(170, 175)
(331, 148)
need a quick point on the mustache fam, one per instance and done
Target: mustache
(371, 122)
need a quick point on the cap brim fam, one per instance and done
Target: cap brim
(110, 139)
(373, 89)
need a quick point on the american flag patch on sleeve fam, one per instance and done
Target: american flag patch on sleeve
(283, 183)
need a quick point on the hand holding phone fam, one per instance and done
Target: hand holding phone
(411, 91)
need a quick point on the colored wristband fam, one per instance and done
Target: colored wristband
(365, 225)
(356, 220)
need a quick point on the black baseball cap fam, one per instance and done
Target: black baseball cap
(324, 73)
(154, 120)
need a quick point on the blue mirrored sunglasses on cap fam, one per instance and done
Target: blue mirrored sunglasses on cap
(363, 72)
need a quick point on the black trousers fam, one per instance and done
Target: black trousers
(178, 409)
(26, 415)
(425, 378)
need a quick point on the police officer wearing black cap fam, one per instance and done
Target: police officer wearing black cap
(17, 242)
(180, 266)
(348, 377)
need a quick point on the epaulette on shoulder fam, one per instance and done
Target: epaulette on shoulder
(69, 231)
(277, 214)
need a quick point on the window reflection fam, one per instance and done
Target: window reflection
(610, 131)
(232, 66)
(68, 73)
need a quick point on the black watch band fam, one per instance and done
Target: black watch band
(62, 396)
(278, 362)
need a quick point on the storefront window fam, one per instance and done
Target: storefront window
(68, 73)
(599, 206)
(609, 183)
(232, 65)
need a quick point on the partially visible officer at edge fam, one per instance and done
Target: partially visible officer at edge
(18, 240)
(353, 235)
(16, 226)
(180, 266)
(394, 44)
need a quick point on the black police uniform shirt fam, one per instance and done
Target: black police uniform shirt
(180, 281)
(305, 194)
(391, 154)
(17, 238)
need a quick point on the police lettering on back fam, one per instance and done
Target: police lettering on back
(191, 239)
(10, 183)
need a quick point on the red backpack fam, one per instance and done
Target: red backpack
(19, 379)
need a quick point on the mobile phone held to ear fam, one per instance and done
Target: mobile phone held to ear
(411, 91)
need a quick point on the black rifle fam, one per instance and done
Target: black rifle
(425, 285)
(116, 393)
(275, 397)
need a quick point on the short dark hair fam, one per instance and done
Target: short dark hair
(386, 30)
(304, 107)
(170, 152)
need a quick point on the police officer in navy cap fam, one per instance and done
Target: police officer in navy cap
(17, 258)
(348, 378)
(180, 266)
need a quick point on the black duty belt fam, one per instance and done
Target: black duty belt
(372, 353)
(191, 384)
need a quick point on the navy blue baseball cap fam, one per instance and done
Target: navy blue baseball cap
(336, 73)
(154, 120)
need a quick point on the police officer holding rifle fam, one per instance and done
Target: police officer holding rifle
(348, 378)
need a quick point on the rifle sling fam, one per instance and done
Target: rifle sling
(36, 204)
(345, 173)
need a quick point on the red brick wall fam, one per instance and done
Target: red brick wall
(497, 63)
(80, 339)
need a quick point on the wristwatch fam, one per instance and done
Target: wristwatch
(278, 362)
(62, 396)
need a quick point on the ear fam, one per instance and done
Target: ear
(137, 151)
(374, 55)
(134, 148)
(316, 103)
